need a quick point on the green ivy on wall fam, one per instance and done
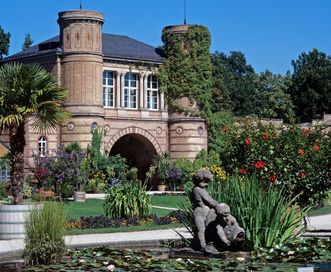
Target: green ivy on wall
(187, 71)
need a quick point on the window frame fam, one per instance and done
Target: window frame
(42, 144)
(129, 89)
(106, 87)
(150, 91)
(4, 172)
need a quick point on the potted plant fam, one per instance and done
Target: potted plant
(162, 163)
(81, 180)
(28, 93)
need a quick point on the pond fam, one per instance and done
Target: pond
(110, 259)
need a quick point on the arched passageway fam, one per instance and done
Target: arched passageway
(138, 151)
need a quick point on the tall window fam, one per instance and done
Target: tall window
(108, 89)
(152, 93)
(4, 171)
(42, 145)
(130, 91)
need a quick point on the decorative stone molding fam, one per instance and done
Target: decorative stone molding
(134, 130)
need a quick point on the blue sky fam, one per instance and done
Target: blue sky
(270, 33)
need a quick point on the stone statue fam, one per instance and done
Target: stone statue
(216, 229)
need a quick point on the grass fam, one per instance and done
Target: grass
(94, 207)
(170, 201)
(123, 229)
(322, 211)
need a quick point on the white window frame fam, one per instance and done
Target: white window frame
(108, 89)
(130, 92)
(42, 146)
(152, 93)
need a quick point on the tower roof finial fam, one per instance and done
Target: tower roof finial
(184, 12)
(80, 5)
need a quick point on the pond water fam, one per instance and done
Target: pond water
(18, 266)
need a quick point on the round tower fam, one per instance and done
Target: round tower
(187, 134)
(81, 73)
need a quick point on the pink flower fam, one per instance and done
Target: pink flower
(301, 152)
(242, 171)
(316, 147)
(225, 129)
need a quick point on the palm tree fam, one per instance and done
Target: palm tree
(27, 92)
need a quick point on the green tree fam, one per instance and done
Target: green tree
(311, 85)
(27, 41)
(4, 43)
(27, 92)
(237, 80)
(274, 90)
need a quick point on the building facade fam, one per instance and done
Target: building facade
(113, 85)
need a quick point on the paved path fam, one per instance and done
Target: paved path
(319, 223)
(13, 248)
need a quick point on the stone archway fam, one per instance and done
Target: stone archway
(137, 146)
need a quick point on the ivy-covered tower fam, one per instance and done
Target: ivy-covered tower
(186, 79)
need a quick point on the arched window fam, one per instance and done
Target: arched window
(108, 89)
(42, 146)
(130, 91)
(152, 93)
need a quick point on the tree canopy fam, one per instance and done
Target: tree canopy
(311, 85)
(4, 43)
(27, 91)
(27, 41)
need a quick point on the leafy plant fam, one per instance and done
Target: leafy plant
(45, 234)
(27, 91)
(127, 200)
(269, 217)
(162, 163)
(291, 157)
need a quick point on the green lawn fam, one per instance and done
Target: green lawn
(171, 201)
(322, 211)
(123, 229)
(94, 207)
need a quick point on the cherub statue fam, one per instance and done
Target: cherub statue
(202, 203)
(216, 227)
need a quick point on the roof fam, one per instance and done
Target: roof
(113, 46)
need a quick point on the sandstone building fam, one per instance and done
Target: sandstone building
(113, 85)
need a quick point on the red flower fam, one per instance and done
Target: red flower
(301, 152)
(242, 171)
(225, 129)
(248, 141)
(316, 147)
(305, 131)
(273, 178)
(265, 136)
(259, 164)
(302, 174)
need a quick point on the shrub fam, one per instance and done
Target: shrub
(268, 216)
(45, 234)
(296, 159)
(127, 200)
(63, 172)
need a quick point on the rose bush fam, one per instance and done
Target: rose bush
(296, 158)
